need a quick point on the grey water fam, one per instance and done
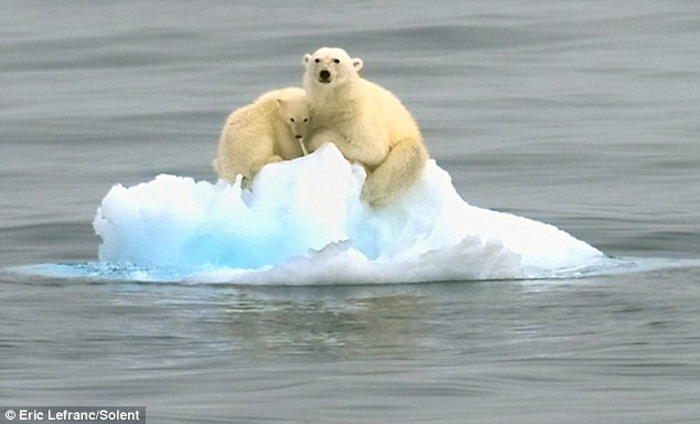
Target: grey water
(582, 114)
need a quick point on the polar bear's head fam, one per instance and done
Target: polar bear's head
(330, 66)
(293, 108)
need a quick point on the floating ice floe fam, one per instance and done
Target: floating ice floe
(303, 222)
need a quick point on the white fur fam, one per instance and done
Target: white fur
(367, 122)
(268, 130)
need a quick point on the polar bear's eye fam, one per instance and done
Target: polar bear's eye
(306, 119)
(291, 119)
(336, 60)
(317, 61)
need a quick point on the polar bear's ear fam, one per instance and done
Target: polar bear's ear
(357, 63)
(307, 59)
(280, 102)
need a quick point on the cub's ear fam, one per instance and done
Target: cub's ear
(307, 59)
(280, 102)
(357, 63)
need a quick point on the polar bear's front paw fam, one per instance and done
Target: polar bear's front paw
(374, 195)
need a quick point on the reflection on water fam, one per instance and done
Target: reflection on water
(342, 327)
(259, 323)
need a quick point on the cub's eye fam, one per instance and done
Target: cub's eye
(317, 61)
(291, 119)
(336, 60)
(306, 119)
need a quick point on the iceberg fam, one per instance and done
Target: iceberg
(302, 222)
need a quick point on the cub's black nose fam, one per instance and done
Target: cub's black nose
(324, 75)
(297, 136)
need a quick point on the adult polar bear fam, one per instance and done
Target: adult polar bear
(367, 123)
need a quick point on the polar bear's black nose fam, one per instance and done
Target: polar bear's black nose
(297, 136)
(324, 75)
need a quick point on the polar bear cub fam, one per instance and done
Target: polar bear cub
(268, 130)
(368, 123)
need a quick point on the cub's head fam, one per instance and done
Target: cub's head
(329, 66)
(294, 109)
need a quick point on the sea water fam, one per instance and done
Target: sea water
(579, 116)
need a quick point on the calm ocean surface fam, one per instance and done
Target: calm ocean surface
(583, 114)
